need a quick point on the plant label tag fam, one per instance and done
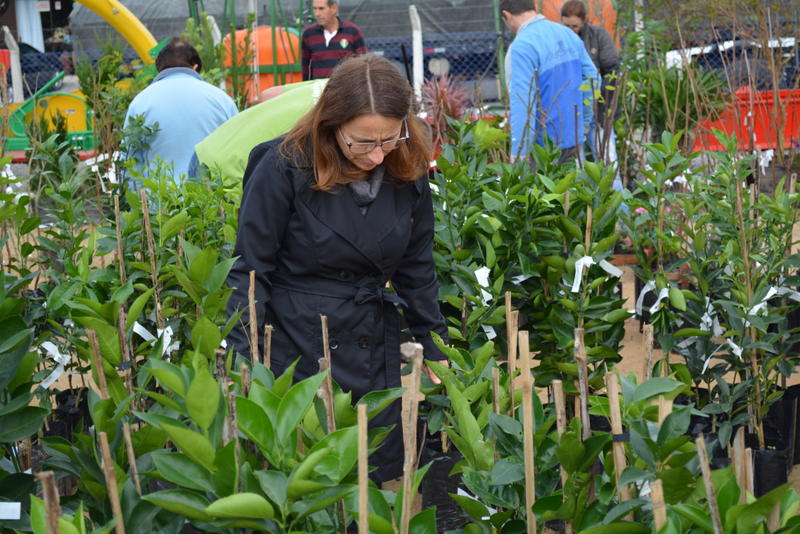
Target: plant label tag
(10, 511)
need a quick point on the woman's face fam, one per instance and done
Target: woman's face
(356, 136)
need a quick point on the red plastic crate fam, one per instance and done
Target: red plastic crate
(752, 114)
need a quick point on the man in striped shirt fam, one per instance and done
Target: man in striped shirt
(329, 41)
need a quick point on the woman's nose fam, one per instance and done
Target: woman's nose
(377, 155)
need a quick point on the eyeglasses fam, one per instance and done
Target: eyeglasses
(386, 146)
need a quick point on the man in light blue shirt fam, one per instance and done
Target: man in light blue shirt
(550, 80)
(181, 107)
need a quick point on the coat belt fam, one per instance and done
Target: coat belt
(363, 291)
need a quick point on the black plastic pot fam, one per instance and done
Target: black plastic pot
(437, 486)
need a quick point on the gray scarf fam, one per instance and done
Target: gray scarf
(366, 191)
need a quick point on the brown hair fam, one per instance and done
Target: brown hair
(360, 85)
(574, 8)
(178, 53)
(516, 7)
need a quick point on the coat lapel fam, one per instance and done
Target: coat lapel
(339, 212)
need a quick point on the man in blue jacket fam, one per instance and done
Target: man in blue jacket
(180, 106)
(551, 81)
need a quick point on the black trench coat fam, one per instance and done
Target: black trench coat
(314, 253)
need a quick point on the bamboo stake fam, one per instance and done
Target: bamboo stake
(414, 352)
(561, 426)
(512, 355)
(111, 483)
(363, 480)
(120, 255)
(267, 346)
(618, 447)
(126, 434)
(151, 250)
(51, 500)
(711, 494)
(583, 384)
(659, 508)
(251, 301)
(528, 431)
(98, 364)
(648, 347)
(327, 383)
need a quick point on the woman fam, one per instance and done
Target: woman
(331, 213)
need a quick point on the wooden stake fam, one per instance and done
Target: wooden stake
(98, 364)
(52, 502)
(496, 390)
(524, 356)
(267, 346)
(711, 494)
(664, 409)
(244, 378)
(561, 426)
(583, 384)
(414, 352)
(122, 320)
(251, 300)
(363, 475)
(527, 433)
(151, 249)
(659, 508)
(612, 386)
(512, 356)
(748, 465)
(120, 255)
(739, 467)
(648, 347)
(588, 237)
(111, 483)
(219, 369)
(126, 434)
(327, 383)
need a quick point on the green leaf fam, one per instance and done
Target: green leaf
(21, 424)
(474, 509)
(184, 502)
(10, 360)
(182, 471)
(676, 298)
(138, 305)
(696, 514)
(241, 505)
(206, 337)
(618, 527)
(195, 445)
(675, 424)
(174, 225)
(423, 523)
(691, 332)
(654, 387)
(294, 406)
(168, 375)
(202, 399)
(570, 452)
(507, 471)
(255, 424)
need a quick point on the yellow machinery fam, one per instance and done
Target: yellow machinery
(72, 105)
